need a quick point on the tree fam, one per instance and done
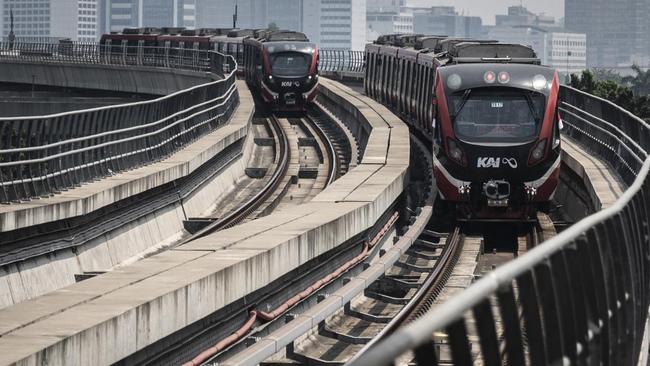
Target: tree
(584, 82)
(619, 94)
(640, 82)
(273, 27)
(607, 74)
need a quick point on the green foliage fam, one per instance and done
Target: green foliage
(607, 74)
(613, 91)
(273, 27)
(640, 82)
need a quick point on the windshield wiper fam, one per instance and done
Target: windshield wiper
(462, 103)
(531, 105)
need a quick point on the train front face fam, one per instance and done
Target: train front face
(497, 138)
(290, 77)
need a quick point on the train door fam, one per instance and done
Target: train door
(375, 78)
(400, 83)
(391, 76)
(426, 102)
(405, 92)
(416, 90)
(420, 97)
(367, 73)
(422, 102)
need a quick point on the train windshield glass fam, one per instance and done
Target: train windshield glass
(290, 63)
(480, 116)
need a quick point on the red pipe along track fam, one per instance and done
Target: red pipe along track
(255, 314)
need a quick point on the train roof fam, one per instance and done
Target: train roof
(492, 50)
(284, 35)
(172, 30)
(447, 50)
(428, 42)
(142, 31)
(235, 33)
(446, 45)
(406, 40)
(388, 39)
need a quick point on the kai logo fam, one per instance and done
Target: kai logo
(496, 162)
(289, 84)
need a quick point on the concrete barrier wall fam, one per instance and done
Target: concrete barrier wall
(133, 79)
(106, 318)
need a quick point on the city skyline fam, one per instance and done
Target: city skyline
(488, 10)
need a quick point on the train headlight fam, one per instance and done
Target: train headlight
(455, 152)
(540, 82)
(537, 153)
(454, 81)
(270, 77)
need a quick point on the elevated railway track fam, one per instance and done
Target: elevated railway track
(367, 301)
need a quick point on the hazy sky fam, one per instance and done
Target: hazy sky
(486, 9)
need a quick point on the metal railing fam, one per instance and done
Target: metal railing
(44, 155)
(341, 61)
(117, 55)
(579, 298)
(619, 137)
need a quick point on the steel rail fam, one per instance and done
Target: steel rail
(429, 290)
(333, 171)
(244, 210)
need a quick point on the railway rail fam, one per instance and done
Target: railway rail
(332, 148)
(247, 207)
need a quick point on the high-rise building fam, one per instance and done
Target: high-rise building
(119, 14)
(519, 15)
(48, 19)
(445, 21)
(285, 14)
(387, 23)
(339, 24)
(385, 6)
(618, 32)
(336, 24)
(563, 50)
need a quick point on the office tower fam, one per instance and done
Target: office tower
(336, 24)
(49, 19)
(618, 32)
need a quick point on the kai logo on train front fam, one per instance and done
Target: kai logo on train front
(289, 84)
(496, 163)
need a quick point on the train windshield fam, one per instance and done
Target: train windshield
(290, 63)
(487, 115)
